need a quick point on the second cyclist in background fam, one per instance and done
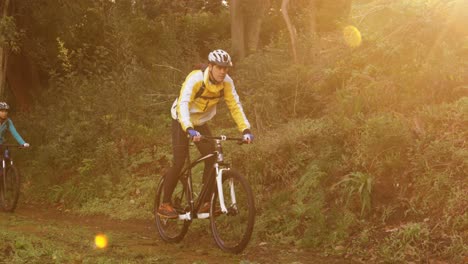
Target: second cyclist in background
(195, 106)
(7, 124)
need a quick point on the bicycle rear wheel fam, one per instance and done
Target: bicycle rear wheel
(232, 230)
(10, 189)
(172, 230)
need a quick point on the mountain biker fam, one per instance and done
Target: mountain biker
(195, 106)
(7, 124)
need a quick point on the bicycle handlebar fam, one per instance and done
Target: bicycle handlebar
(11, 145)
(223, 138)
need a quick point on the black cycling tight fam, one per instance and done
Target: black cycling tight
(180, 148)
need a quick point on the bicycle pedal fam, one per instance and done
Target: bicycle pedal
(203, 215)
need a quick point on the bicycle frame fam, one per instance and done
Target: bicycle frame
(231, 201)
(219, 167)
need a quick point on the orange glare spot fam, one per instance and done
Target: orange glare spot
(100, 241)
(352, 36)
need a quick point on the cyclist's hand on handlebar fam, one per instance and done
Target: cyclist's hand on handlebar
(26, 145)
(193, 134)
(248, 137)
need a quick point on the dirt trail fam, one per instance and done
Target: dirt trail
(138, 239)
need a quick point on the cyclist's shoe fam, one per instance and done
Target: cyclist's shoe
(205, 209)
(166, 210)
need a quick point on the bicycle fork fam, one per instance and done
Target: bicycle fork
(219, 184)
(4, 185)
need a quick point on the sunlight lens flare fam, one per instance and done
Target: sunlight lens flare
(352, 36)
(100, 241)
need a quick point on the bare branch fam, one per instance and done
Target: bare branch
(167, 66)
(291, 29)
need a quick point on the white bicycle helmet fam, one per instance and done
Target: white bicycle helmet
(220, 57)
(4, 106)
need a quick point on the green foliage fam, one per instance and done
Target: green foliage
(300, 142)
(411, 242)
(390, 119)
(456, 249)
(308, 203)
(57, 242)
(18, 248)
(440, 160)
(9, 34)
(287, 89)
(132, 199)
(360, 184)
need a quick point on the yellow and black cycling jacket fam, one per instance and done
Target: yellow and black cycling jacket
(191, 110)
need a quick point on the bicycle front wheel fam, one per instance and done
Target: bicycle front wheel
(10, 189)
(232, 230)
(172, 230)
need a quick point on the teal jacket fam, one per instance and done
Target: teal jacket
(8, 125)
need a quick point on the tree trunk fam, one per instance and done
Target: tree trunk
(23, 80)
(237, 30)
(254, 24)
(291, 29)
(3, 51)
(313, 17)
(3, 70)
